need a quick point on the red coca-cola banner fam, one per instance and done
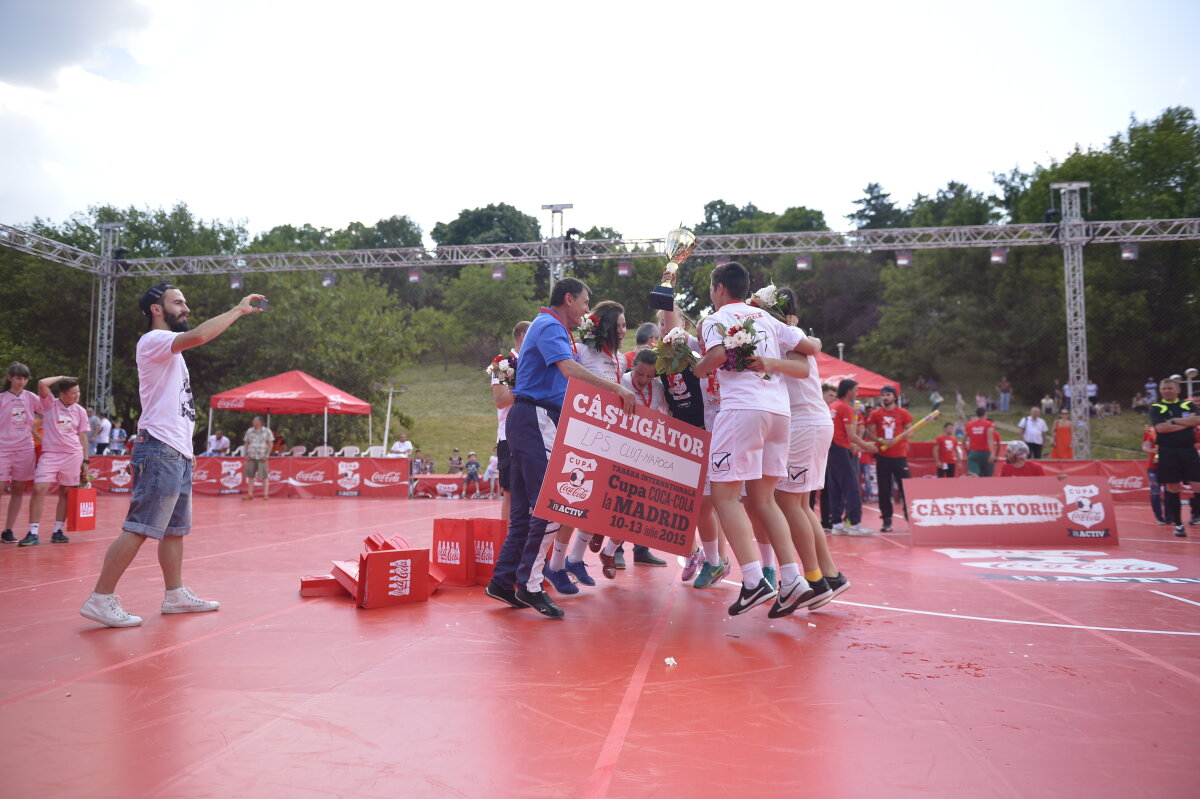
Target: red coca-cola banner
(370, 477)
(434, 486)
(110, 474)
(1011, 511)
(312, 477)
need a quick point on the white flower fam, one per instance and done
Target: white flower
(677, 336)
(738, 339)
(766, 297)
(504, 366)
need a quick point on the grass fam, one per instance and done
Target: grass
(452, 407)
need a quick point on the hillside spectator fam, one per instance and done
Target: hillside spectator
(402, 448)
(949, 453)
(455, 464)
(103, 435)
(218, 445)
(472, 471)
(117, 438)
(279, 445)
(935, 399)
(1151, 389)
(1063, 448)
(1047, 405)
(1033, 431)
(418, 462)
(1004, 389)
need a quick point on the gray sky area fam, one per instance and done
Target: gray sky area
(638, 113)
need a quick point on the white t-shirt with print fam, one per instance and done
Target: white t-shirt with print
(748, 390)
(658, 399)
(1033, 430)
(168, 410)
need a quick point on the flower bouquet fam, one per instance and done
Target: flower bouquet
(770, 301)
(740, 342)
(673, 353)
(503, 369)
(589, 331)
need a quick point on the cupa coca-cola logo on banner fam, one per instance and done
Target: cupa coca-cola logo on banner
(381, 479)
(447, 489)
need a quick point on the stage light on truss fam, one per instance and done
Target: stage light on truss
(723, 259)
(1129, 252)
(624, 268)
(237, 282)
(904, 258)
(804, 262)
(999, 255)
(414, 274)
(497, 271)
(327, 280)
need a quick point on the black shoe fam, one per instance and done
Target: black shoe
(539, 601)
(749, 597)
(619, 558)
(644, 557)
(839, 584)
(1179, 533)
(59, 538)
(7, 537)
(505, 594)
(31, 540)
(823, 594)
(887, 527)
(1194, 520)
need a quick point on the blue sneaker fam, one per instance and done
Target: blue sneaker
(769, 576)
(560, 580)
(579, 569)
(710, 575)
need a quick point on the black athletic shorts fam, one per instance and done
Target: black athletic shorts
(1178, 465)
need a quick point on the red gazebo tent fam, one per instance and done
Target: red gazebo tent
(290, 392)
(869, 384)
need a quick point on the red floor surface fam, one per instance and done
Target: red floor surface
(932, 678)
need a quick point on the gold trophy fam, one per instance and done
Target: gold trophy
(680, 243)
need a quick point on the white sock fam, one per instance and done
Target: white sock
(58, 526)
(558, 556)
(579, 544)
(788, 573)
(752, 574)
(610, 547)
(766, 555)
(33, 528)
(712, 552)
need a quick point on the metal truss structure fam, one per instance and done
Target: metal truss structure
(1072, 234)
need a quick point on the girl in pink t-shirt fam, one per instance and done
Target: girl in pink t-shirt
(17, 460)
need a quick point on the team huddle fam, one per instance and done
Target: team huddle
(755, 387)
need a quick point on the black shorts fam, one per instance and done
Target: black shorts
(1178, 465)
(504, 462)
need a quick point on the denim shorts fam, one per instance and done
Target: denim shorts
(161, 501)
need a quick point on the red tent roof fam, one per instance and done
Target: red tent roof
(833, 370)
(290, 392)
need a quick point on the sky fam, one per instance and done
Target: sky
(637, 113)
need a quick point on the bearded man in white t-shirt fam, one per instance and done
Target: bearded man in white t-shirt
(160, 506)
(751, 438)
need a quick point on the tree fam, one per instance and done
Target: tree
(496, 224)
(878, 210)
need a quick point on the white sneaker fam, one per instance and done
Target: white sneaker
(182, 600)
(858, 529)
(106, 609)
(839, 529)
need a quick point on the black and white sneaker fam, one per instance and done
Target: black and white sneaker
(749, 597)
(789, 600)
(824, 594)
(7, 537)
(839, 584)
(541, 602)
(504, 594)
(1179, 533)
(887, 527)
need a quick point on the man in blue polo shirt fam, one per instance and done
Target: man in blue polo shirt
(549, 357)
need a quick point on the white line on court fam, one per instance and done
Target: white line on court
(1172, 596)
(1007, 621)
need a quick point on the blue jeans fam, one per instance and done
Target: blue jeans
(161, 501)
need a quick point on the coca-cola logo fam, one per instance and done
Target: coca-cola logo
(1131, 483)
(274, 394)
(387, 478)
(231, 403)
(575, 493)
(315, 476)
(275, 475)
(200, 475)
